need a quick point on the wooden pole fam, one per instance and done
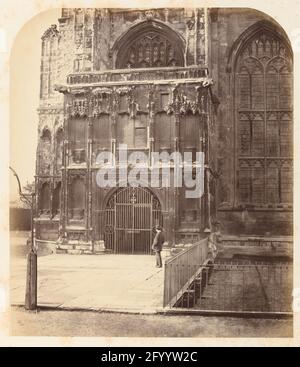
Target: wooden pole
(31, 276)
(31, 282)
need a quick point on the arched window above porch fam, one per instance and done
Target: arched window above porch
(149, 45)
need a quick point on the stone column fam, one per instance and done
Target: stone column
(151, 108)
(206, 160)
(176, 108)
(114, 108)
(89, 222)
(64, 183)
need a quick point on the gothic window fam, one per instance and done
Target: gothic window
(77, 65)
(150, 49)
(56, 199)
(164, 100)
(132, 132)
(188, 208)
(140, 132)
(101, 133)
(79, 17)
(124, 130)
(50, 44)
(164, 132)
(45, 198)
(189, 134)
(59, 147)
(263, 102)
(45, 151)
(46, 136)
(65, 12)
(77, 198)
(77, 139)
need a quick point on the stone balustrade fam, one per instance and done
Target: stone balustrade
(123, 75)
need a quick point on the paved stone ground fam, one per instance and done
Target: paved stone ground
(106, 282)
(103, 324)
(119, 282)
(127, 282)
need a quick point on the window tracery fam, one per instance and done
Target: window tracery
(149, 50)
(263, 100)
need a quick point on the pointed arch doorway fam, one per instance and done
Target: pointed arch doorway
(131, 215)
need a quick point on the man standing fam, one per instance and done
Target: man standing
(158, 241)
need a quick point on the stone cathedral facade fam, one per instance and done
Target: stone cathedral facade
(217, 81)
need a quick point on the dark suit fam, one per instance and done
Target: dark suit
(158, 241)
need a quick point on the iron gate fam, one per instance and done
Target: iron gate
(130, 218)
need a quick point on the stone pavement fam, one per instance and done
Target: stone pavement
(96, 282)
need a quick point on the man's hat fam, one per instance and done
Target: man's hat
(159, 228)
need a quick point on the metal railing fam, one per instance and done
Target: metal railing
(238, 287)
(182, 270)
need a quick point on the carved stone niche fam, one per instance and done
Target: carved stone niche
(78, 156)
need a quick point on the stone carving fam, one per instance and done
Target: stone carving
(151, 104)
(149, 14)
(78, 155)
(190, 24)
(52, 31)
(133, 107)
(101, 102)
(101, 91)
(181, 104)
(78, 108)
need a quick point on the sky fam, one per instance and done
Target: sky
(24, 97)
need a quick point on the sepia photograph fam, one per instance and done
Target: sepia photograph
(151, 175)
